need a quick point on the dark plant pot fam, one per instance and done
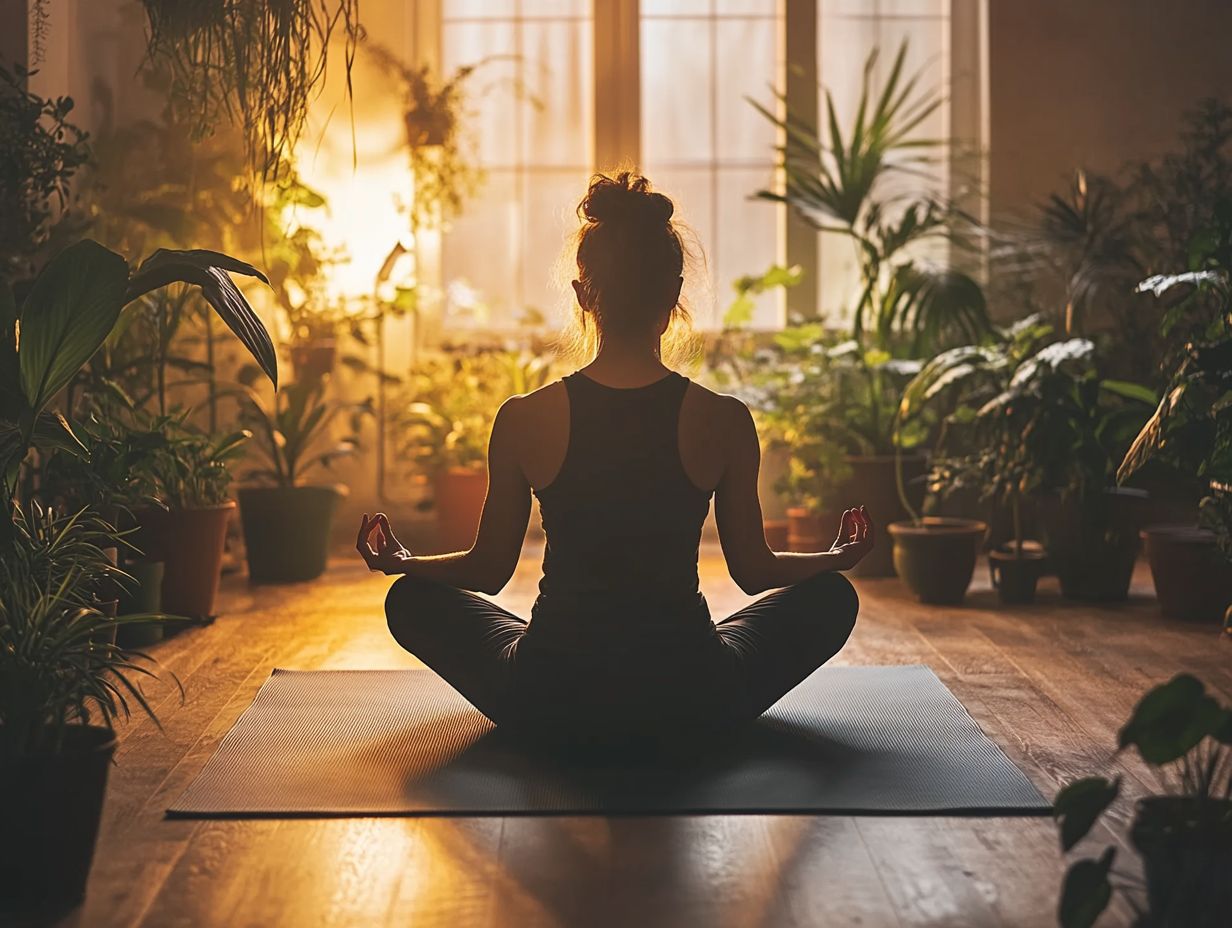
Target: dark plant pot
(1015, 575)
(936, 558)
(1192, 578)
(286, 531)
(1093, 543)
(145, 597)
(460, 492)
(313, 361)
(106, 634)
(778, 534)
(1186, 851)
(50, 805)
(190, 544)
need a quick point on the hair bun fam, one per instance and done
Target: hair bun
(625, 199)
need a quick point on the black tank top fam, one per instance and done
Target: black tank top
(622, 519)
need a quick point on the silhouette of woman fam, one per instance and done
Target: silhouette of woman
(623, 456)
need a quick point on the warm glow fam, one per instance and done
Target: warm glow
(366, 181)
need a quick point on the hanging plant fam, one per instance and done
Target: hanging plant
(256, 63)
(444, 166)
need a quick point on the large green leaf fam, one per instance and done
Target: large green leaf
(1086, 892)
(1171, 719)
(1079, 806)
(210, 270)
(67, 314)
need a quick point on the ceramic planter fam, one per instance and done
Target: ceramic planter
(872, 484)
(936, 557)
(1015, 574)
(190, 544)
(50, 805)
(1186, 851)
(460, 492)
(1192, 578)
(286, 531)
(1093, 543)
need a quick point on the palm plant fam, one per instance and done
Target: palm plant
(291, 435)
(839, 188)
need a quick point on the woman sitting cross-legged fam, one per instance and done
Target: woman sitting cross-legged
(623, 456)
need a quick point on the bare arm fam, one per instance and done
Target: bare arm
(752, 564)
(491, 560)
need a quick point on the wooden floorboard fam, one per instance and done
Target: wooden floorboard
(1051, 683)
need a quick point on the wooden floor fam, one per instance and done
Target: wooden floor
(1050, 683)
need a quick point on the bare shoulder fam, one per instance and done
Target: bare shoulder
(713, 429)
(537, 428)
(526, 410)
(721, 413)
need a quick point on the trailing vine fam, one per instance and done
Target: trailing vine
(256, 63)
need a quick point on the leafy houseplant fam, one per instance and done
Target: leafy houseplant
(1183, 836)
(1035, 420)
(443, 424)
(815, 398)
(40, 151)
(287, 522)
(982, 445)
(907, 307)
(1191, 430)
(63, 681)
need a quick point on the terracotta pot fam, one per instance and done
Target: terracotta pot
(1192, 578)
(190, 544)
(460, 492)
(286, 531)
(314, 360)
(872, 484)
(936, 558)
(778, 534)
(50, 806)
(1015, 574)
(1186, 851)
(1093, 543)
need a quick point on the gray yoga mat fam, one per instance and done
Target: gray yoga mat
(863, 740)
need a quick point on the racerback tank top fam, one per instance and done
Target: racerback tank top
(622, 519)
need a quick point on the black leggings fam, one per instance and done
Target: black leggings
(753, 658)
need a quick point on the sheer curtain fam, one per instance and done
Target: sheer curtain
(702, 141)
(532, 106)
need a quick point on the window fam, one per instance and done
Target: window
(703, 143)
(533, 107)
(683, 70)
(847, 30)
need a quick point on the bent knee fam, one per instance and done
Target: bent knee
(833, 596)
(408, 605)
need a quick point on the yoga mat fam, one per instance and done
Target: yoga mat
(851, 740)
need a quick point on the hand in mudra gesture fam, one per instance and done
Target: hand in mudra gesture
(379, 547)
(855, 538)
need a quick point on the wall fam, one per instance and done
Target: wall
(1094, 83)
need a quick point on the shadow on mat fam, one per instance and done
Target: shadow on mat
(506, 769)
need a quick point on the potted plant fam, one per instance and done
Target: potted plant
(287, 522)
(187, 531)
(442, 428)
(1183, 836)
(61, 673)
(985, 443)
(1191, 430)
(907, 307)
(1078, 425)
